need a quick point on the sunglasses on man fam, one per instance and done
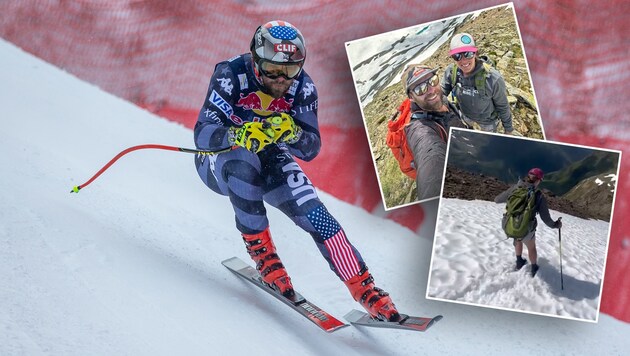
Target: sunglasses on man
(458, 56)
(287, 71)
(424, 86)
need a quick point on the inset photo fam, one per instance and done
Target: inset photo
(523, 225)
(414, 84)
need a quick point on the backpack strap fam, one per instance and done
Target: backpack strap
(480, 78)
(428, 121)
(454, 77)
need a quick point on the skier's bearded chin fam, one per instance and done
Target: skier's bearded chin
(277, 87)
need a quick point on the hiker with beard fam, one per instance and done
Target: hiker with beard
(430, 117)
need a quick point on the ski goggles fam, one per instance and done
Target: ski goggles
(458, 56)
(424, 86)
(273, 70)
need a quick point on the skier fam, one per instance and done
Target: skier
(531, 181)
(479, 88)
(264, 105)
(427, 132)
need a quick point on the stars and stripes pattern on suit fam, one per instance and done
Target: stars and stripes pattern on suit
(342, 254)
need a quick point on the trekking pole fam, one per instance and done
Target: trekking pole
(140, 147)
(560, 241)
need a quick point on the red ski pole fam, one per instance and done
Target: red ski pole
(140, 147)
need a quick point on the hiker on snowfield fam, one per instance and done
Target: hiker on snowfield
(429, 117)
(264, 105)
(528, 186)
(478, 88)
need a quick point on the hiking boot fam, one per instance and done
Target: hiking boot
(520, 262)
(262, 250)
(375, 301)
(534, 269)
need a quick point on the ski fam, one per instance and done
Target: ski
(406, 322)
(298, 303)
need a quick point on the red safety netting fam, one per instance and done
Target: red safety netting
(160, 55)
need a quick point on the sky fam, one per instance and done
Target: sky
(132, 263)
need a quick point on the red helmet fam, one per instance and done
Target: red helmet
(537, 172)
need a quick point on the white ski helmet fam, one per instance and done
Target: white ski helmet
(278, 49)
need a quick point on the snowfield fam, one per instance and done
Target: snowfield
(473, 262)
(132, 263)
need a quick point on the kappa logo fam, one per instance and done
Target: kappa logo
(218, 101)
(308, 89)
(284, 47)
(226, 85)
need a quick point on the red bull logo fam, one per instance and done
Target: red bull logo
(250, 102)
(280, 105)
(263, 104)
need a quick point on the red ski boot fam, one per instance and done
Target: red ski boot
(375, 301)
(262, 250)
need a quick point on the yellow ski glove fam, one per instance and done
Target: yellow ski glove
(253, 136)
(285, 129)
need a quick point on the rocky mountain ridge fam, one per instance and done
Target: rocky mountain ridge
(588, 199)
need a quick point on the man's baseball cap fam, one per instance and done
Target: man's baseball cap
(416, 74)
(462, 42)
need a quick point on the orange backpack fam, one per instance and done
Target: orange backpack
(397, 140)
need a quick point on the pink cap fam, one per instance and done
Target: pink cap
(462, 42)
(536, 172)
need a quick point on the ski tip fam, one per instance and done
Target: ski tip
(434, 320)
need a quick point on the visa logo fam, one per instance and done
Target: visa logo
(220, 103)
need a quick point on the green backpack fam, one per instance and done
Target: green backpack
(520, 212)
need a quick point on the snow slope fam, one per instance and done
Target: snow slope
(131, 264)
(473, 262)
